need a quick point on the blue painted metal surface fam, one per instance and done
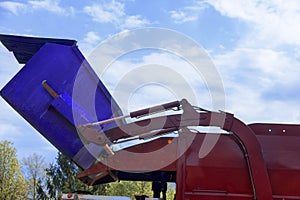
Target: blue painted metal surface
(63, 67)
(25, 47)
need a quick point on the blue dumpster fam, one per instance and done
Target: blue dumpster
(43, 93)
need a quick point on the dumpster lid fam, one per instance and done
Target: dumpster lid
(24, 48)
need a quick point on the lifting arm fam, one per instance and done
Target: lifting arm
(191, 117)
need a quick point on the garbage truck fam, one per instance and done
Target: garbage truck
(246, 161)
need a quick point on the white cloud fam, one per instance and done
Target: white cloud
(188, 13)
(14, 7)
(89, 42)
(260, 84)
(155, 78)
(114, 12)
(181, 17)
(260, 72)
(91, 37)
(10, 65)
(51, 6)
(271, 23)
(272, 63)
(134, 21)
(106, 13)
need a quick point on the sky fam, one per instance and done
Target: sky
(253, 44)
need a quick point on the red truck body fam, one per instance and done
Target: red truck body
(256, 161)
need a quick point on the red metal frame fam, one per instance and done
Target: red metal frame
(256, 161)
(243, 136)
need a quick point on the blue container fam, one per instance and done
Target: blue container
(63, 67)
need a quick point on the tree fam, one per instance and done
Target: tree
(171, 192)
(12, 183)
(41, 194)
(61, 177)
(34, 170)
(53, 181)
(129, 188)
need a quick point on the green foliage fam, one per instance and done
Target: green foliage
(61, 177)
(97, 189)
(170, 192)
(34, 170)
(12, 183)
(41, 194)
(49, 183)
(129, 188)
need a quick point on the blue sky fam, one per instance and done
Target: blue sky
(255, 46)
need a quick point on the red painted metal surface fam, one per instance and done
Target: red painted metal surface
(223, 173)
(247, 163)
(257, 161)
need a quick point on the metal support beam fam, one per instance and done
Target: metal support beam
(190, 117)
